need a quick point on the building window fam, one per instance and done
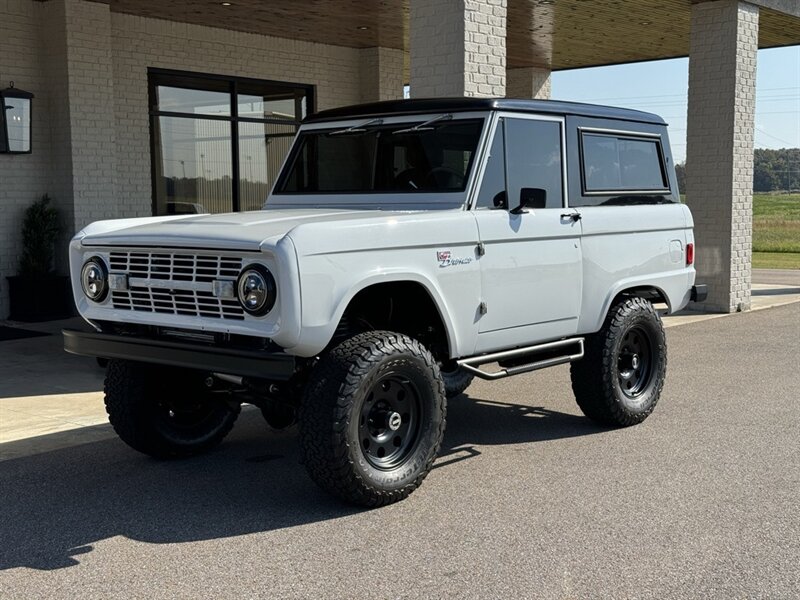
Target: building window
(218, 142)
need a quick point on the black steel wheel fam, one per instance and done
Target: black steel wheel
(372, 418)
(390, 421)
(165, 413)
(634, 361)
(619, 380)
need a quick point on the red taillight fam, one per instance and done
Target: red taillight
(689, 254)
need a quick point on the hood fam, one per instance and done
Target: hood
(231, 231)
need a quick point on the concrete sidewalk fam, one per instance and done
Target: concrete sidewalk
(50, 399)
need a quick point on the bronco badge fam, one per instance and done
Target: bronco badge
(446, 259)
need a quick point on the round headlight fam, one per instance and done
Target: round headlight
(256, 290)
(94, 279)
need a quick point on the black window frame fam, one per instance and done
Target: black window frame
(500, 129)
(294, 155)
(623, 135)
(213, 82)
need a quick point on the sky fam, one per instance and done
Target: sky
(661, 87)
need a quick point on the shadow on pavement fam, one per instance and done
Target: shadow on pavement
(56, 505)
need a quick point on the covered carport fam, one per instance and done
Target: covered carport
(95, 132)
(510, 48)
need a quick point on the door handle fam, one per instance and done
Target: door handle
(575, 216)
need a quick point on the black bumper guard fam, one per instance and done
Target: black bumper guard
(247, 363)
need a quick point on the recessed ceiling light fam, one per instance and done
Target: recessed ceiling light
(547, 1)
(226, 3)
(362, 27)
(645, 22)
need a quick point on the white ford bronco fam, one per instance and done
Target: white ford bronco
(406, 248)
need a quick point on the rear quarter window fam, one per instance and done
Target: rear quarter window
(620, 168)
(613, 163)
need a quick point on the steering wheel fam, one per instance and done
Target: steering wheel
(434, 176)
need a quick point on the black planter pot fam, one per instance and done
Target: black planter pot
(40, 298)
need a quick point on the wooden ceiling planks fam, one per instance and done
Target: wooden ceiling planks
(556, 34)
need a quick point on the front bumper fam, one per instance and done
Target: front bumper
(247, 363)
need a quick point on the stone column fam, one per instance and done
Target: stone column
(528, 82)
(458, 48)
(719, 155)
(381, 74)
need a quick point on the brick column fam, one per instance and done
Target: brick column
(528, 82)
(458, 48)
(381, 74)
(719, 156)
(77, 49)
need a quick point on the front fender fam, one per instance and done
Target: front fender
(319, 325)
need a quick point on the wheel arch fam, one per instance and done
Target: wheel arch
(396, 289)
(649, 291)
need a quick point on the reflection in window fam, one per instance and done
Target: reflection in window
(197, 102)
(262, 148)
(612, 163)
(493, 186)
(219, 143)
(532, 149)
(194, 159)
(533, 152)
(394, 158)
(17, 112)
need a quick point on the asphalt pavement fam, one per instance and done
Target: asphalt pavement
(529, 499)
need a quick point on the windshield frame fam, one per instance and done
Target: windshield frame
(371, 198)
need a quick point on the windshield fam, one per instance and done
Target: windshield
(424, 156)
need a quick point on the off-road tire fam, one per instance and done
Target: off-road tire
(343, 386)
(456, 381)
(598, 378)
(138, 398)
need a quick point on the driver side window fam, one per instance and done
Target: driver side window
(532, 150)
(493, 186)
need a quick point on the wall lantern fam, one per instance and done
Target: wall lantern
(15, 120)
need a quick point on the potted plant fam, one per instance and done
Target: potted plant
(37, 293)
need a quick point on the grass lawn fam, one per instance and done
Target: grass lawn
(776, 260)
(776, 231)
(776, 223)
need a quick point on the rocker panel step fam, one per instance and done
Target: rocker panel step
(540, 356)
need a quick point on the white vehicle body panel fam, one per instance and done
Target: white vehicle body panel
(335, 264)
(541, 277)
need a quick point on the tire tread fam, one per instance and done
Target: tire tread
(323, 416)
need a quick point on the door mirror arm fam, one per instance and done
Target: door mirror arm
(530, 198)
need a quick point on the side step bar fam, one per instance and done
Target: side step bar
(523, 360)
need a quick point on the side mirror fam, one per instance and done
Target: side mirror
(530, 198)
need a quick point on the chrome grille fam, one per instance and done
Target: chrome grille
(192, 276)
(175, 266)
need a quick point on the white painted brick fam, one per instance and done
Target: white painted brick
(723, 46)
(88, 67)
(457, 46)
(528, 82)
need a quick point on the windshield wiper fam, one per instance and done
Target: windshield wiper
(426, 126)
(356, 128)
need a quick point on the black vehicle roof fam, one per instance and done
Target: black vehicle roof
(448, 105)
